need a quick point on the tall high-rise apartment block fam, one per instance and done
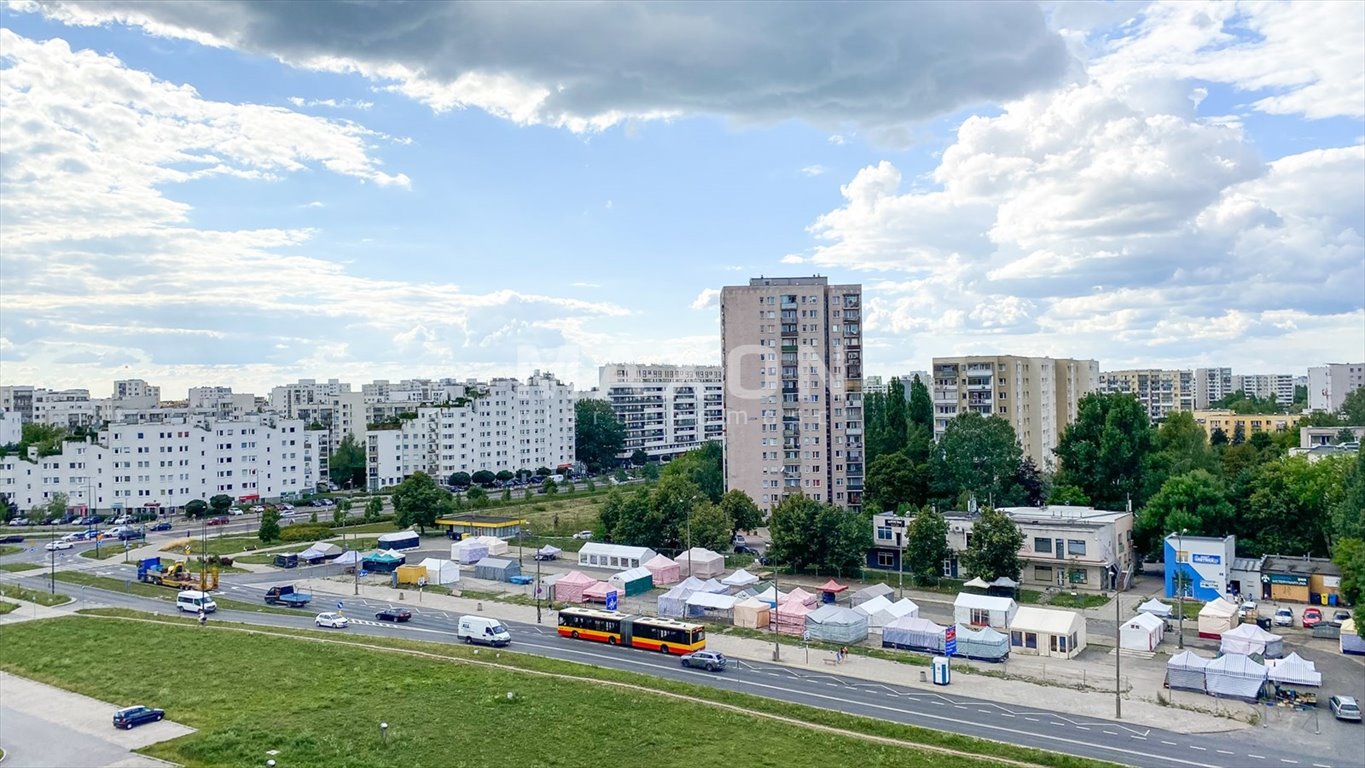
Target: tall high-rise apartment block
(1265, 386)
(1210, 386)
(1161, 392)
(1328, 385)
(1038, 396)
(667, 410)
(793, 372)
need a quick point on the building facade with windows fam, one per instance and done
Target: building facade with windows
(793, 376)
(1161, 392)
(1210, 386)
(667, 410)
(1038, 396)
(164, 466)
(1071, 548)
(1328, 385)
(1265, 386)
(1248, 423)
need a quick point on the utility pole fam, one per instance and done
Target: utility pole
(355, 567)
(52, 556)
(777, 605)
(1180, 587)
(900, 562)
(1118, 654)
(539, 587)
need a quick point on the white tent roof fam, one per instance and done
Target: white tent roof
(1146, 621)
(711, 585)
(1187, 660)
(1005, 582)
(740, 578)
(916, 624)
(1219, 607)
(643, 554)
(904, 607)
(1155, 606)
(1237, 665)
(397, 536)
(393, 553)
(348, 558)
(869, 608)
(1250, 632)
(867, 593)
(712, 600)
(771, 595)
(977, 583)
(1045, 620)
(1295, 670)
(836, 614)
(549, 550)
(632, 574)
(983, 602)
(691, 582)
(698, 555)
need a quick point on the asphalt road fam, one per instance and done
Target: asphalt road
(1012, 722)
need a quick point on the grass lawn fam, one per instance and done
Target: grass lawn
(106, 551)
(9, 549)
(7, 607)
(1082, 600)
(164, 593)
(228, 545)
(16, 567)
(441, 712)
(33, 596)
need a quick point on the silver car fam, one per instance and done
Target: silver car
(1344, 708)
(710, 661)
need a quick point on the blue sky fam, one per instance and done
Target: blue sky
(199, 194)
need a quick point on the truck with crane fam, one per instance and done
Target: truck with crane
(177, 575)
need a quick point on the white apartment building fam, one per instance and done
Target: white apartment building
(1266, 385)
(68, 408)
(136, 393)
(165, 466)
(11, 428)
(221, 402)
(1161, 392)
(1210, 386)
(874, 385)
(17, 399)
(499, 425)
(667, 410)
(793, 374)
(1038, 396)
(306, 399)
(1328, 385)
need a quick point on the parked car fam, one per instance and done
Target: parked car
(739, 540)
(711, 661)
(164, 525)
(74, 537)
(53, 546)
(123, 520)
(584, 535)
(1311, 617)
(19, 521)
(236, 511)
(128, 717)
(394, 614)
(743, 549)
(258, 509)
(1340, 617)
(219, 520)
(332, 619)
(11, 539)
(1284, 617)
(1344, 708)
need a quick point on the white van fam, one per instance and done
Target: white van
(480, 629)
(192, 600)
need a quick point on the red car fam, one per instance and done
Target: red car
(219, 520)
(1311, 617)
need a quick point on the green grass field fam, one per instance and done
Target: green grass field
(107, 550)
(7, 607)
(439, 711)
(33, 596)
(18, 567)
(164, 593)
(9, 549)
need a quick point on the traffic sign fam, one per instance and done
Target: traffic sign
(950, 640)
(611, 601)
(339, 605)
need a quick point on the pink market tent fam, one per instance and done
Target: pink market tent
(800, 596)
(663, 568)
(829, 591)
(598, 592)
(570, 588)
(790, 617)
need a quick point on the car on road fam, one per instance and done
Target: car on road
(744, 549)
(1311, 617)
(11, 539)
(584, 535)
(53, 546)
(711, 661)
(19, 521)
(1344, 708)
(123, 520)
(1340, 617)
(128, 717)
(394, 614)
(219, 520)
(258, 509)
(74, 537)
(164, 525)
(286, 507)
(237, 511)
(1284, 617)
(332, 619)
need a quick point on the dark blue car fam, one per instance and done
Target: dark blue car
(128, 717)
(164, 525)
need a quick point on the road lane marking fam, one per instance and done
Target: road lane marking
(1291, 762)
(1139, 738)
(1224, 752)
(1082, 727)
(1168, 743)
(1201, 749)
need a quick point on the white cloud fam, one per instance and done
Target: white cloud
(836, 139)
(709, 298)
(814, 170)
(331, 103)
(587, 67)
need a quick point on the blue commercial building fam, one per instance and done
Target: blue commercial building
(1200, 563)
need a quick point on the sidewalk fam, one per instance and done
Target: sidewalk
(31, 611)
(1138, 710)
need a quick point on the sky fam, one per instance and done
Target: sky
(247, 193)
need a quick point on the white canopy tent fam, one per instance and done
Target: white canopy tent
(441, 571)
(1185, 671)
(1294, 670)
(495, 545)
(913, 634)
(740, 578)
(1234, 676)
(1217, 617)
(881, 611)
(1143, 632)
(468, 551)
(1047, 632)
(1249, 638)
(772, 596)
(615, 556)
(984, 610)
(868, 593)
(836, 624)
(349, 557)
(1156, 608)
(699, 562)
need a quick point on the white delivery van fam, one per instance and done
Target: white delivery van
(192, 601)
(480, 629)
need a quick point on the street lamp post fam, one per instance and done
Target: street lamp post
(52, 572)
(1118, 654)
(1180, 587)
(539, 587)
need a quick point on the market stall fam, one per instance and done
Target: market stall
(752, 614)
(600, 592)
(789, 618)
(984, 610)
(496, 546)
(1294, 670)
(836, 624)
(911, 633)
(1250, 639)
(982, 644)
(1235, 676)
(711, 605)
(1143, 632)
(663, 569)
(1156, 608)
(700, 562)
(739, 579)
(635, 581)
(496, 569)
(868, 593)
(400, 540)
(1217, 617)
(1185, 671)
(468, 551)
(880, 611)
(830, 591)
(570, 587)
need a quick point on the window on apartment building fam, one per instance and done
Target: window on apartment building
(883, 533)
(1042, 544)
(1075, 547)
(1042, 573)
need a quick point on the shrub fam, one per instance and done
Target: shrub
(305, 532)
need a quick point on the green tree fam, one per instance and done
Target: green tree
(744, 514)
(979, 455)
(340, 511)
(1029, 481)
(1348, 514)
(651, 471)
(926, 546)
(477, 497)
(806, 533)
(220, 504)
(417, 501)
(460, 479)
(55, 508)
(346, 465)
(791, 525)
(1353, 408)
(711, 527)
(484, 478)
(993, 549)
(270, 526)
(703, 467)
(1218, 437)
(1194, 502)
(1290, 506)
(503, 476)
(639, 458)
(921, 405)
(1104, 451)
(1068, 495)
(196, 509)
(1350, 558)
(629, 518)
(895, 417)
(373, 509)
(598, 435)
(893, 480)
(548, 487)
(1180, 447)
(313, 516)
